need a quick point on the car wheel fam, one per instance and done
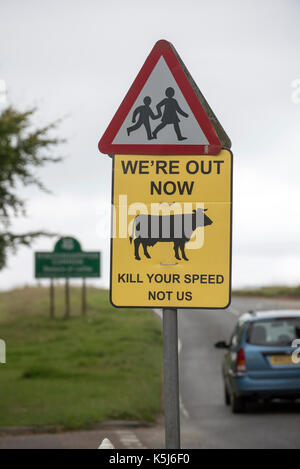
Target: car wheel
(226, 395)
(238, 404)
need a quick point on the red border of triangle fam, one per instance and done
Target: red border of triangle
(161, 48)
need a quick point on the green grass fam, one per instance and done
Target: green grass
(271, 291)
(72, 373)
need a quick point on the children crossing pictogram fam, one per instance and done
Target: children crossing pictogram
(163, 112)
(169, 116)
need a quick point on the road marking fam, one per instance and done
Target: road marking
(129, 439)
(106, 444)
(183, 410)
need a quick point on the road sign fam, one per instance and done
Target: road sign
(164, 113)
(66, 261)
(171, 241)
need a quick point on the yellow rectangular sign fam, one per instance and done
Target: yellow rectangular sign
(171, 235)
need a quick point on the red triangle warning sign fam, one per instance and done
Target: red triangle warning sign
(163, 112)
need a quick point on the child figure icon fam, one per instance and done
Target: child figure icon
(144, 113)
(171, 109)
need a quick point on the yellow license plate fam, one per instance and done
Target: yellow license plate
(282, 360)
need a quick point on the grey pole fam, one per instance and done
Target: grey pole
(171, 379)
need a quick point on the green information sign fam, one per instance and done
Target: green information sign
(66, 261)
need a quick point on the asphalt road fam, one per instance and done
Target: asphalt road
(206, 421)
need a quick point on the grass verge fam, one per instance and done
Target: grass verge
(72, 373)
(272, 291)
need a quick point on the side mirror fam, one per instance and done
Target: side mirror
(221, 344)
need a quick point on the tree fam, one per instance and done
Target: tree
(22, 149)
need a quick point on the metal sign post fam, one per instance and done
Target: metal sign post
(171, 379)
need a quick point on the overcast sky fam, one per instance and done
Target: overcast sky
(77, 58)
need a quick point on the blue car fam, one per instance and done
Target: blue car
(259, 362)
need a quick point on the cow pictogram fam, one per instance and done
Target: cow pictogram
(178, 229)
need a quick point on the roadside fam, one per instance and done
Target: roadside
(207, 418)
(123, 435)
(69, 374)
(276, 292)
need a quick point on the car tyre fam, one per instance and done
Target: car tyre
(238, 404)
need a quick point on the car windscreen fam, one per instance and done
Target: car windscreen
(274, 332)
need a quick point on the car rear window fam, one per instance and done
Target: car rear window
(274, 332)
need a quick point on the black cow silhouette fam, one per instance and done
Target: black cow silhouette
(178, 229)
